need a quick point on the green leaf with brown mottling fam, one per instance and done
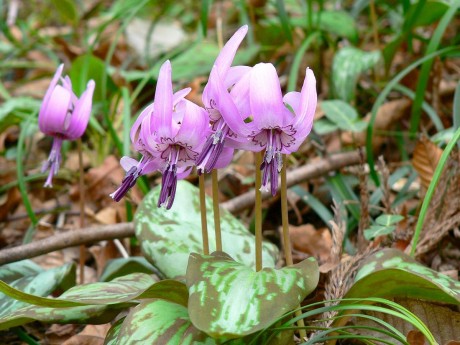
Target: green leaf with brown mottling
(168, 237)
(391, 273)
(41, 284)
(229, 299)
(160, 322)
(15, 270)
(111, 337)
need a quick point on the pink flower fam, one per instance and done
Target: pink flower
(64, 116)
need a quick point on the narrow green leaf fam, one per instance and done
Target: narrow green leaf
(284, 18)
(229, 299)
(429, 13)
(205, 5)
(167, 237)
(389, 219)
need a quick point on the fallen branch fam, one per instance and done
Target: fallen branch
(309, 171)
(66, 240)
(110, 232)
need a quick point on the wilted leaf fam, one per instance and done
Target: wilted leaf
(167, 237)
(390, 273)
(229, 299)
(315, 242)
(425, 159)
(347, 66)
(159, 322)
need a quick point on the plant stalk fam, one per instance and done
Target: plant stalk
(204, 223)
(81, 182)
(258, 210)
(286, 237)
(215, 205)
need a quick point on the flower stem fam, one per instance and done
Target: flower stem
(286, 238)
(204, 224)
(82, 209)
(258, 210)
(215, 204)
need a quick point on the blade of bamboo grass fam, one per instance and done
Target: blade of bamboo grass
(381, 98)
(22, 183)
(215, 205)
(431, 188)
(286, 237)
(204, 223)
(426, 67)
(258, 211)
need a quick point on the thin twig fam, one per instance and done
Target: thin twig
(65, 240)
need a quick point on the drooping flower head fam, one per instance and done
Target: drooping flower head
(217, 151)
(169, 134)
(275, 128)
(64, 116)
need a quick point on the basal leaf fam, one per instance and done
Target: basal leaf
(15, 270)
(168, 237)
(339, 23)
(391, 273)
(95, 314)
(229, 299)
(111, 337)
(41, 284)
(120, 290)
(347, 66)
(324, 126)
(389, 219)
(122, 266)
(343, 115)
(160, 322)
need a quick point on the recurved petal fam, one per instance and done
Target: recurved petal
(227, 54)
(308, 100)
(53, 115)
(80, 116)
(179, 95)
(127, 163)
(265, 97)
(234, 74)
(163, 104)
(293, 100)
(135, 129)
(240, 96)
(194, 126)
(227, 107)
(49, 91)
(225, 158)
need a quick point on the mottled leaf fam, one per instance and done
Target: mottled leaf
(391, 273)
(347, 66)
(15, 270)
(95, 314)
(122, 266)
(167, 237)
(111, 337)
(229, 299)
(120, 290)
(41, 284)
(343, 115)
(160, 322)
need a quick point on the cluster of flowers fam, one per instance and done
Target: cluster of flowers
(244, 109)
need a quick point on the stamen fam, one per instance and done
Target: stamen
(53, 162)
(273, 161)
(212, 149)
(127, 183)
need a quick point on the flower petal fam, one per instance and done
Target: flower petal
(265, 97)
(135, 129)
(293, 100)
(235, 74)
(80, 116)
(194, 126)
(225, 158)
(53, 116)
(240, 96)
(163, 104)
(227, 54)
(179, 95)
(48, 93)
(127, 163)
(227, 107)
(308, 99)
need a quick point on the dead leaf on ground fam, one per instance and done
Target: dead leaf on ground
(91, 335)
(307, 239)
(415, 337)
(425, 159)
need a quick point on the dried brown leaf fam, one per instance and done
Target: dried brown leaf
(307, 239)
(425, 159)
(415, 337)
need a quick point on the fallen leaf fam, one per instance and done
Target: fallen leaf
(307, 239)
(425, 159)
(415, 337)
(91, 335)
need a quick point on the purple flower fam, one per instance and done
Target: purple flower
(63, 116)
(169, 134)
(276, 128)
(218, 149)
